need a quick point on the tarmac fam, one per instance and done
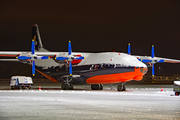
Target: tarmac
(138, 102)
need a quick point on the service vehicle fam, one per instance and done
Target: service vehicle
(21, 82)
(176, 87)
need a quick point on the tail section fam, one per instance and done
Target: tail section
(38, 42)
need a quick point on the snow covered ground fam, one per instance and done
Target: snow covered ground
(133, 104)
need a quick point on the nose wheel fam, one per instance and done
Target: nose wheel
(121, 87)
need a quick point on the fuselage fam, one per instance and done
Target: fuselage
(96, 68)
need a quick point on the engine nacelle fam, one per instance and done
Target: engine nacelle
(73, 59)
(60, 61)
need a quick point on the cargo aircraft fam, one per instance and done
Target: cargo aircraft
(78, 68)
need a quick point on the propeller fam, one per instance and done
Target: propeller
(70, 58)
(154, 60)
(151, 59)
(32, 56)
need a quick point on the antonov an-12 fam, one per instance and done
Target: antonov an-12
(78, 68)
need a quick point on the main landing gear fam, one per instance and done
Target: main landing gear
(67, 85)
(96, 87)
(121, 87)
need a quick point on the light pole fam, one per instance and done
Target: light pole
(159, 70)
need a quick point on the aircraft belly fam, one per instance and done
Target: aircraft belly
(96, 74)
(104, 76)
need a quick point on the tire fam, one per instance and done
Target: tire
(119, 88)
(67, 86)
(71, 86)
(95, 87)
(101, 87)
(63, 86)
(124, 88)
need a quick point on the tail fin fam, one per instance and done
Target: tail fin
(38, 43)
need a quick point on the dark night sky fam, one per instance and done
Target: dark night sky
(94, 25)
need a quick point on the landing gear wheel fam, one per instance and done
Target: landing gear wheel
(66, 86)
(71, 86)
(101, 87)
(12, 87)
(96, 87)
(63, 87)
(124, 88)
(121, 87)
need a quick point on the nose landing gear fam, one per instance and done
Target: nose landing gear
(121, 87)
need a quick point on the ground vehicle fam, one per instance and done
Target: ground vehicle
(19, 82)
(176, 87)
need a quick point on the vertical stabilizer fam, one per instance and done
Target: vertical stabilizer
(35, 32)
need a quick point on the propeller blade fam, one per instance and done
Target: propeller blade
(161, 61)
(145, 60)
(33, 68)
(78, 58)
(70, 68)
(23, 58)
(61, 58)
(153, 61)
(32, 47)
(129, 49)
(152, 52)
(153, 70)
(42, 57)
(69, 48)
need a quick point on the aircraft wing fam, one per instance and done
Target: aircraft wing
(13, 60)
(167, 60)
(12, 55)
(9, 54)
(39, 54)
(156, 59)
(15, 54)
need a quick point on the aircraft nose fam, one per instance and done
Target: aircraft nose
(139, 72)
(143, 70)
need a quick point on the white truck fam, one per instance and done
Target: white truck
(19, 82)
(176, 87)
